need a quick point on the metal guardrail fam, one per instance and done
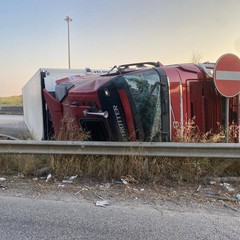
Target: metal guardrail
(200, 150)
(4, 136)
(11, 110)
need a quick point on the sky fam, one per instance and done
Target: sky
(104, 33)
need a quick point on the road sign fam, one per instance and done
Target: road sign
(227, 75)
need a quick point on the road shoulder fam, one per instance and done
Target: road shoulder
(212, 199)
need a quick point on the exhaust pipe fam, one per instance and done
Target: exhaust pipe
(103, 114)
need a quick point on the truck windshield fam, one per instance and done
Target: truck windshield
(145, 89)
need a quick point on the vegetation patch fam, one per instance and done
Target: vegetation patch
(108, 168)
(142, 169)
(11, 101)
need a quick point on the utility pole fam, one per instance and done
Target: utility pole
(68, 19)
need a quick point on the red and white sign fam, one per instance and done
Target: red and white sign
(227, 75)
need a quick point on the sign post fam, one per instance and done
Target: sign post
(238, 110)
(226, 119)
(227, 81)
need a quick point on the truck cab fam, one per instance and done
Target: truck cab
(127, 105)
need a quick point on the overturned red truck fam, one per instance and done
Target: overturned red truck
(138, 102)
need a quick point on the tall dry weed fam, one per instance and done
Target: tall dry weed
(195, 168)
(70, 131)
(27, 165)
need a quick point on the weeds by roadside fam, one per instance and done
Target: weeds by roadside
(11, 101)
(70, 131)
(107, 168)
(142, 169)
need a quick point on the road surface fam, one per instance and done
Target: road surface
(23, 218)
(13, 125)
(43, 210)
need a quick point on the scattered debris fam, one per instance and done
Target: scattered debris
(238, 196)
(102, 203)
(2, 187)
(227, 186)
(86, 188)
(117, 181)
(129, 179)
(39, 194)
(18, 176)
(35, 179)
(43, 178)
(49, 177)
(61, 185)
(211, 192)
(77, 193)
(2, 179)
(73, 177)
(212, 182)
(198, 189)
(135, 190)
(124, 181)
(67, 181)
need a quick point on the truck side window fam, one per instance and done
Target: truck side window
(145, 89)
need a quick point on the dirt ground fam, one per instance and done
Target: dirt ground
(209, 196)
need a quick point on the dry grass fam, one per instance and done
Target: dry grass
(189, 132)
(151, 169)
(143, 169)
(11, 101)
(106, 168)
(70, 131)
(27, 165)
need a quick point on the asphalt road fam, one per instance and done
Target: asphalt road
(13, 125)
(24, 218)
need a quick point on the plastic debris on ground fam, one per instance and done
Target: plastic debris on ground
(18, 176)
(2, 187)
(212, 182)
(2, 179)
(102, 203)
(124, 181)
(49, 177)
(61, 185)
(73, 177)
(129, 179)
(117, 181)
(69, 179)
(238, 196)
(228, 187)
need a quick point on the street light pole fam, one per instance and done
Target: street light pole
(68, 19)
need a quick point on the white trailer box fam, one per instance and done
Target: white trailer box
(34, 108)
